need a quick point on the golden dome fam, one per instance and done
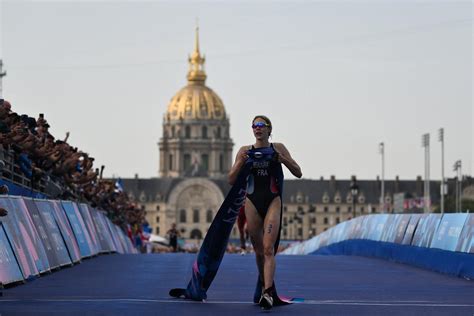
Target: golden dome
(196, 100)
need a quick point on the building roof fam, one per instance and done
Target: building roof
(294, 191)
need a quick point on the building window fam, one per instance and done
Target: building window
(173, 131)
(325, 198)
(182, 216)
(170, 162)
(313, 220)
(187, 132)
(209, 216)
(326, 209)
(221, 163)
(195, 216)
(157, 219)
(349, 209)
(157, 207)
(300, 232)
(157, 230)
(196, 234)
(362, 209)
(326, 220)
(285, 233)
(205, 162)
(299, 198)
(218, 132)
(338, 220)
(204, 132)
(338, 209)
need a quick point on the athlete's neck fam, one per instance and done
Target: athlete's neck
(262, 143)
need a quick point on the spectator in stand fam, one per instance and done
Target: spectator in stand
(3, 190)
(41, 156)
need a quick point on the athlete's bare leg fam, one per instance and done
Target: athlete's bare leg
(255, 229)
(271, 228)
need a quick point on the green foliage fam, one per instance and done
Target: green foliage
(450, 205)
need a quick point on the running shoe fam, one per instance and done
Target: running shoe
(266, 301)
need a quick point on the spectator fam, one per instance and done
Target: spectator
(27, 142)
(173, 235)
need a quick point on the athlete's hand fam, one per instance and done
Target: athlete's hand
(242, 157)
(281, 158)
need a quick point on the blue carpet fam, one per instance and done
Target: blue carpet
(330, 285)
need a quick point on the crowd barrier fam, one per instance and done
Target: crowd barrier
(15, 189)
(38, 236)
(443, 243)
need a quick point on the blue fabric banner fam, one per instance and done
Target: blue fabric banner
(448, 232)
(401, 229)
(9, 270)
(466, 239)
(410, 231)
(66, 229)
(53, 232)
(425, 230)
(115, 237)
(86, 216)
(102, 231)
(107, 234)
(23, 245)
(49, 241)
(78, 227)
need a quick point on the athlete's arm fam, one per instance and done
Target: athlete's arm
(239, 162)
(285, 158)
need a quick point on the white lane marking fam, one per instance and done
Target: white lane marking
(306, 302)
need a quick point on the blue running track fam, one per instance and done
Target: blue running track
(330, 285)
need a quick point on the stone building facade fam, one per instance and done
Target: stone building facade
(196, 155)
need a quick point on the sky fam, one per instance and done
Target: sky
(336, 77)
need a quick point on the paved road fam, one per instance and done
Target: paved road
(330, 285)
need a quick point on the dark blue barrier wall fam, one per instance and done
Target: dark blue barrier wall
(18, 190)
(449, 262)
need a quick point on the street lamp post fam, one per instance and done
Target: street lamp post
(441, 139)
(426, 144)
(382, 193)
(458, 169)
(354, 192)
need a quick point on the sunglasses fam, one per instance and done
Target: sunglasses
(260, 124)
